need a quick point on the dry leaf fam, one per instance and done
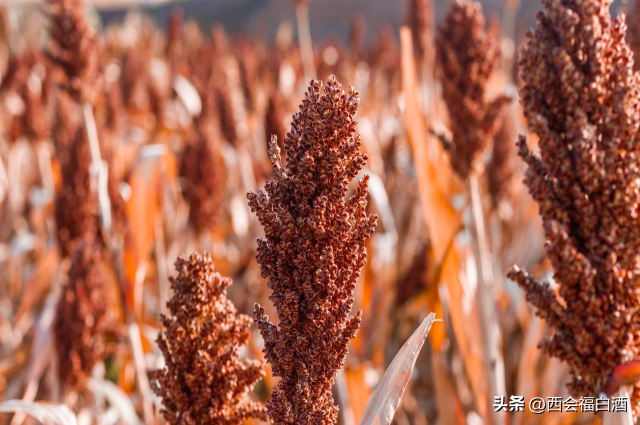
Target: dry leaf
(386, 398)
(46, 413)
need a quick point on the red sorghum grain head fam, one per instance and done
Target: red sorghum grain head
(226, 113)
(501, 168)
(75, 48)
(76, 206)
(466, 58)
(201, 167)
(204, 380)
(134, 81)
(248, 70)
(27, 76)
(312, 253)
(82, 317)
(580, 96)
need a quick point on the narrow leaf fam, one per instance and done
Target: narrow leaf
(386, 398)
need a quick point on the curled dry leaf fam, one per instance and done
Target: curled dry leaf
(116, 398)
(386, 398)
(46, 413)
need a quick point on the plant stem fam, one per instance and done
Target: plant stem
(493, 362)
(304, 38)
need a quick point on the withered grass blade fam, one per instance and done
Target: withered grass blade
(46, 413)
(388, 394)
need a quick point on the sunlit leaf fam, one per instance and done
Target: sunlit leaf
(388, 394)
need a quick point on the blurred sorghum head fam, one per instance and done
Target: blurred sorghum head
(82, 316)
(201, 167)
(76, 205)
(75, 48)
(466, 58)
(226, 113)
(501, 168)
(312, 253)
(204, 380)
(28, 76)
(580, 96)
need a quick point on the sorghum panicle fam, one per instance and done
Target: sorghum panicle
(248, 64)
(75, 48)
(82, 318)
(501, 168)
(201, 166)
(466, 58)
(76, 206)
(28, 75)
(312, 253)
(204, 380)
(226, 114)
(580, 96)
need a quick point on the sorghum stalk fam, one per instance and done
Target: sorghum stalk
(580, 96)
(466, 58)
(204, 380)
(312, 253)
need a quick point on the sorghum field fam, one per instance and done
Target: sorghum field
(433, 225)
